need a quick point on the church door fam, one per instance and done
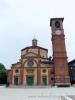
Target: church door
(15, 80)
(44, 80)
(30, 80)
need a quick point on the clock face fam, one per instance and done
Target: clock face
(58, 32)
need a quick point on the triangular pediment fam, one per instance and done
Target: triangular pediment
(31, 54)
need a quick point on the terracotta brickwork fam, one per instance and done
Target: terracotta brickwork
(9, 78)
(59, 52)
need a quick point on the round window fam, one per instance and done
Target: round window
(16, 71)
(30, 63)
(44, 70)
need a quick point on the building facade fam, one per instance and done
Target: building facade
(71, 65)
(35, 68)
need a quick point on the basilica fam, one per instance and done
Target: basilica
(34, 66)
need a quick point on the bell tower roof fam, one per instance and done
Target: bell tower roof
(34, 42)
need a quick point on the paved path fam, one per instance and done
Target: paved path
(48, 93)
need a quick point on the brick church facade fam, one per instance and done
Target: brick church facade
(35, 68)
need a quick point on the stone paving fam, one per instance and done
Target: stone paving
(47, 93)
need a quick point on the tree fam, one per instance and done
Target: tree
(3, 74)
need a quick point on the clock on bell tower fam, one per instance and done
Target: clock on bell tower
(59, 52)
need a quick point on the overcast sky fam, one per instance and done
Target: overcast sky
(21, 20)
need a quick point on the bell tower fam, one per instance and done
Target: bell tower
(59, 53)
